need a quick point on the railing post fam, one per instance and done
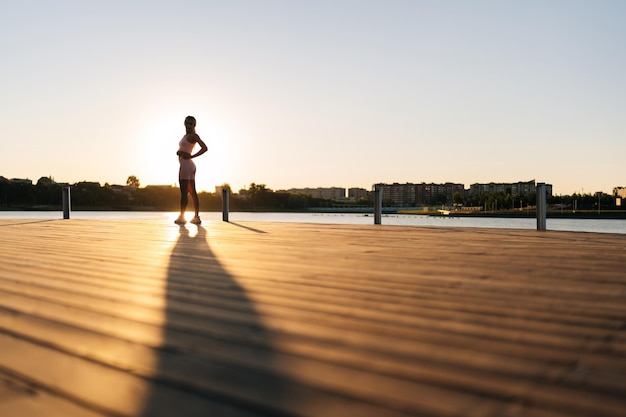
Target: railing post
(541, 206)
(67, 203)
(378, 205)
(225, 193)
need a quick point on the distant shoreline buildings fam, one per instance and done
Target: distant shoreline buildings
(420, 194)
(400, 195)
(619, 192)
(327, 193)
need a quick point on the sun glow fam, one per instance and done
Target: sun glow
(157, 143)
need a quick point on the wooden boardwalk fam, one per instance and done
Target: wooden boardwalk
(115, 318)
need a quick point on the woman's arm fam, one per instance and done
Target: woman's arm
(203, 147)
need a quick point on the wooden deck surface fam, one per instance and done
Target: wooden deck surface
(120, 318)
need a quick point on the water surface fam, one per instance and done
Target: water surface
(574, 225)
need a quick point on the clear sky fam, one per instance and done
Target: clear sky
(316, 93)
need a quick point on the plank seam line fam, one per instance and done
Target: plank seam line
(57, 392)
(223, 398)
(168, 350)
(237, 322)
(29, 222)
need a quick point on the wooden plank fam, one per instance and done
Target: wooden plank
(18, 398)
(112, 351)
(310, 320)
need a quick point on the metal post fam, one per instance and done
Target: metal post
(541, 206)
(378, 205)
(67, 203)
(225, 193)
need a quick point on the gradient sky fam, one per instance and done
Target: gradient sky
(316, 93)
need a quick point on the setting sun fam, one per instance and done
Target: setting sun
(157, 141)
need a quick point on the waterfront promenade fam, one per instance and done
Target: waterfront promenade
(144, 318)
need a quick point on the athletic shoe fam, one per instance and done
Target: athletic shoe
(196, 220)
(180, 220)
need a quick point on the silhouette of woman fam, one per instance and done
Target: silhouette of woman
(187, 171)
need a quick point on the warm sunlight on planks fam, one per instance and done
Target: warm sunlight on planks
(74, 295)
(249, 319)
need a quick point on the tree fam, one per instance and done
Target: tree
(457, 198)
(438, 200)
(132, 181)
(256, 189)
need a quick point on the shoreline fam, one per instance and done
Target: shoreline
(608, 215)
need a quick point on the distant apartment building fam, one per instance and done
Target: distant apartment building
(521, 188)
(328, 193)
(358, 194)
(423, 194)
(411, 195)
(430, 193)
(401, 195)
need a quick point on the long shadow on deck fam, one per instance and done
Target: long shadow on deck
(216, 358)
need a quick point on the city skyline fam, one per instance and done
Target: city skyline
(314, 187)
(297, 94)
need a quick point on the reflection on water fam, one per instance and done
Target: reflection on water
(573, 225)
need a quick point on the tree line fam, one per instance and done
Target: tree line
(506, 201)
(46, 194)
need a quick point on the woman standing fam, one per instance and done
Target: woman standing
(187, 172)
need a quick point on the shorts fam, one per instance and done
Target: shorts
(187, 169)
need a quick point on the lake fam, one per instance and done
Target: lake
(576, 225)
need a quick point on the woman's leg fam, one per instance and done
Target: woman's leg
(184, 190)
(194, 196)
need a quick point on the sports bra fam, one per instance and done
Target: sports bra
(185, 146)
